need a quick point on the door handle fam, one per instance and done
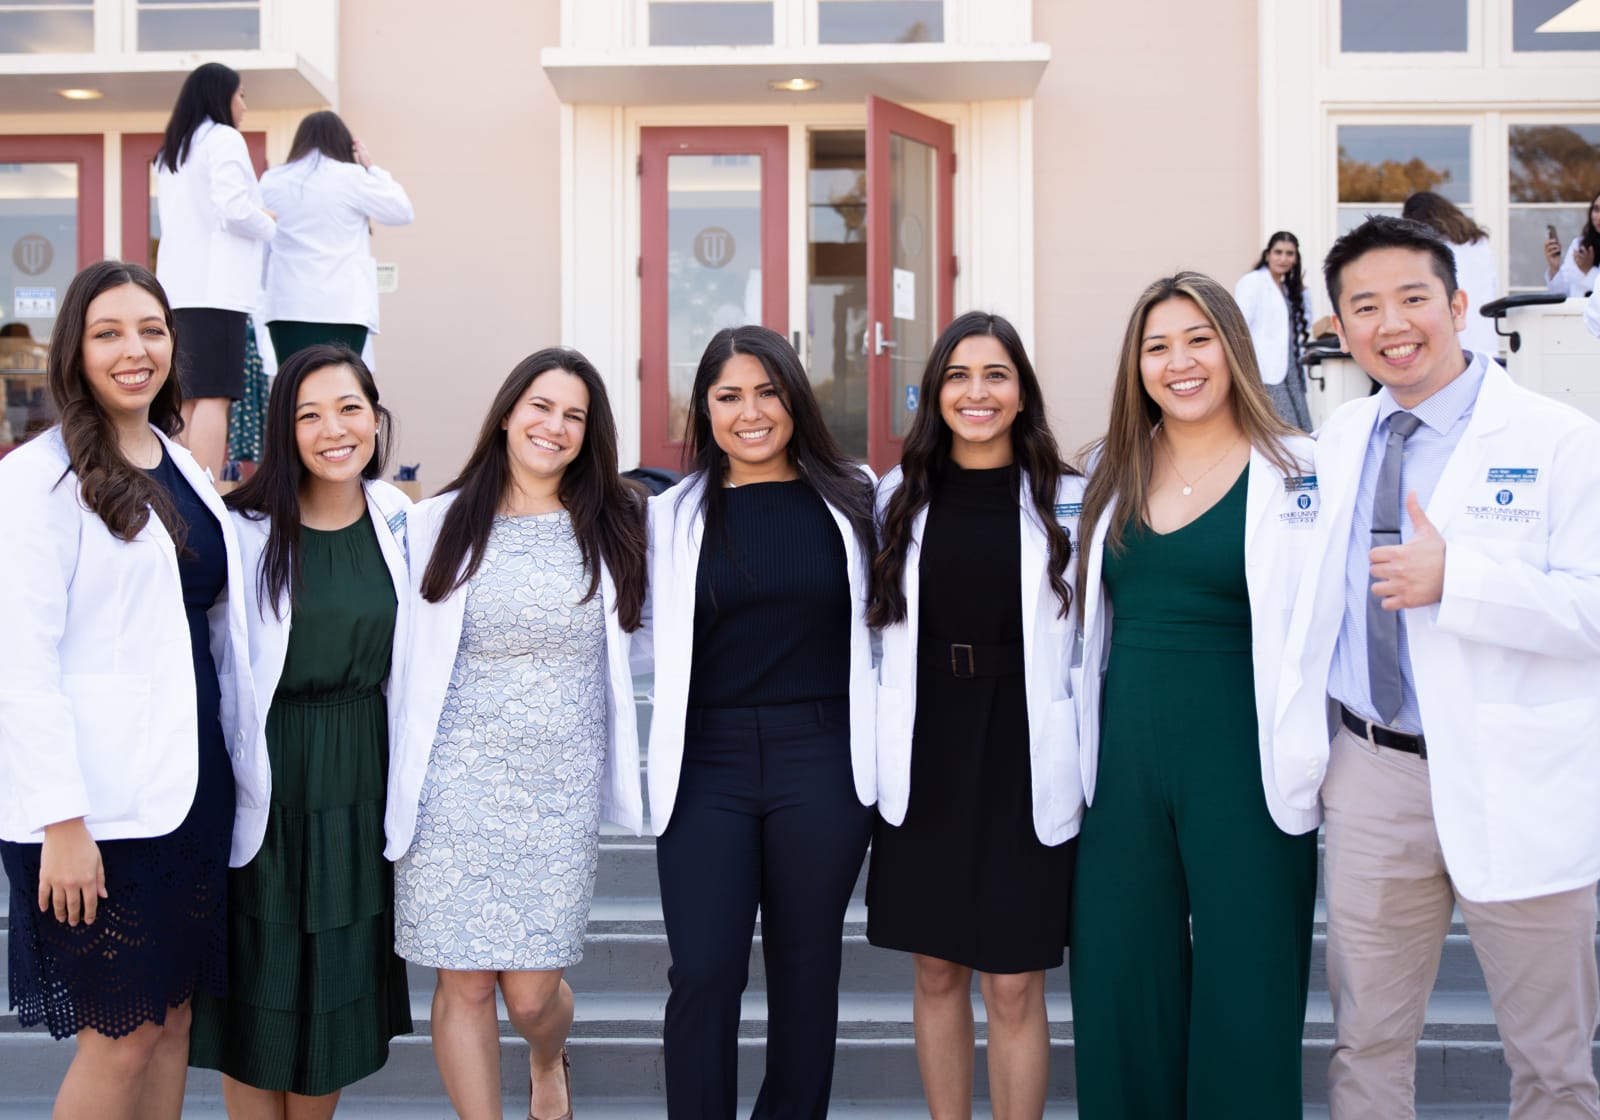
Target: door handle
(879, 343)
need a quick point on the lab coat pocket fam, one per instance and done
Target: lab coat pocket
(111, 717)
(1541, 768)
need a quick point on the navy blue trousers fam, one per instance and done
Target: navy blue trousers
(766, 815)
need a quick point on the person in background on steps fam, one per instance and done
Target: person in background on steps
(528, 573)
(1576, 273)
(315, 991)
(1477, 272)
(126, 681)
(214, 228)
(1453, 614)
(761, 746)
(1277, 308)
(1196, 885)
(322, 283)
(979, 793)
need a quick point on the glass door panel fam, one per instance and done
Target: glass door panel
(51, 225)
(836, 296)
(910, 263)
(713, 257)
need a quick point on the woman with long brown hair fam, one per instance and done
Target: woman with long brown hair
(978, 787)
(125, 653)
(1191, 930)
(519, 734)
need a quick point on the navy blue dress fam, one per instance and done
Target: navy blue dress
(163, 930)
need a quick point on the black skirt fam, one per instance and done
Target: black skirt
(210, 356)
(964, 878)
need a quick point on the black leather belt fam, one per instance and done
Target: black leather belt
(1383, 736)
(964, 660)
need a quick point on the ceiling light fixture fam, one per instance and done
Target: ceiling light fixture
(80, 94)
(794, 85)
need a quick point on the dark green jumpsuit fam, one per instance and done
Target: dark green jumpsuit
(1191, 938)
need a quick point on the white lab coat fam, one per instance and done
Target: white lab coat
(1506, 663)
(319, 265)
(676, 529)
(1047, 649)
(1266, 311)
(269, 637)
(213, 229)
(97, 699)
(1569, 280)
(433, 638)
(1280, 515)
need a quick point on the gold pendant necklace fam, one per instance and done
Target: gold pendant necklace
(1188, 486)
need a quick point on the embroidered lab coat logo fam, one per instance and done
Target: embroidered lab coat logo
(1304, 501)
(1503, 497)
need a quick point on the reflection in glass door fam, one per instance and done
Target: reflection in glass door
(713, 256)
(910, 263)
(51, 225)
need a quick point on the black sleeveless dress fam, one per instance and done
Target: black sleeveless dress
(162, 932)
(964, 878)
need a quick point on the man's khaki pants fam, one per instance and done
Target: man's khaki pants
(1389, 901)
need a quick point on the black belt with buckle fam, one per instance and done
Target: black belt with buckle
(1383, 736)
(964, 660)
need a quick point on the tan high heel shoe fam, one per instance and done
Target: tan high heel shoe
(566, 1077)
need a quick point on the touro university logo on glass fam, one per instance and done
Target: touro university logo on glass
(714, 247)
(32, 254)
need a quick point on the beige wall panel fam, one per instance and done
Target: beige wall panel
(1145, 153)
(456, 106)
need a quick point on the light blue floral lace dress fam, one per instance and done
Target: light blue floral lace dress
(501, 872)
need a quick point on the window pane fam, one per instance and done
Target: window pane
(696, 23)
(1554, 162)
(1410, 25)
(63, 32)
(1386, 163)
(226, 30)
(1527, 15)
(880, 21)
(713, 262)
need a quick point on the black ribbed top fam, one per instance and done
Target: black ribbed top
(772, 601)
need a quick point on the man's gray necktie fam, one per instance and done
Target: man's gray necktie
(1383, 627)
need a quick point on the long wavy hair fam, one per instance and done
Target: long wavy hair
(607, 511)
(1294, 286)
(273, 492)
(1589, 235)
(1125, 455)
(114, 489)
(816, 455)
(927, 451)
(207, 95)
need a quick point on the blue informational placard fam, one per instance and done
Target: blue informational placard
(911, 397)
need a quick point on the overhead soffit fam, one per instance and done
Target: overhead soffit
(149, 81)
(739, 75)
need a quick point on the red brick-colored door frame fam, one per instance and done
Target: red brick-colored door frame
(138, 153)
(885, 118)
(657, 446)
(87, 150)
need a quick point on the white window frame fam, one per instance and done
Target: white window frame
(1500, 126)
(127, 34)
(1510, 58)
(1472, 57)
(795, 22)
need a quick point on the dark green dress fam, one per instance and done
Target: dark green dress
(315, 990)
(1173, 1019)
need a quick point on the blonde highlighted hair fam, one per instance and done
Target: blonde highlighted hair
(1123, 458)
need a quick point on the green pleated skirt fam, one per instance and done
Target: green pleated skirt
(315, 990)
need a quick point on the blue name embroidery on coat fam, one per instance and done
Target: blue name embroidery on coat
(397, 526)
(1307, 482)
(1513, 474)
(1069, 509)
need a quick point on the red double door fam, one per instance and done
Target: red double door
(715, 252)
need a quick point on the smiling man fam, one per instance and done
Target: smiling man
(1450, 633)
